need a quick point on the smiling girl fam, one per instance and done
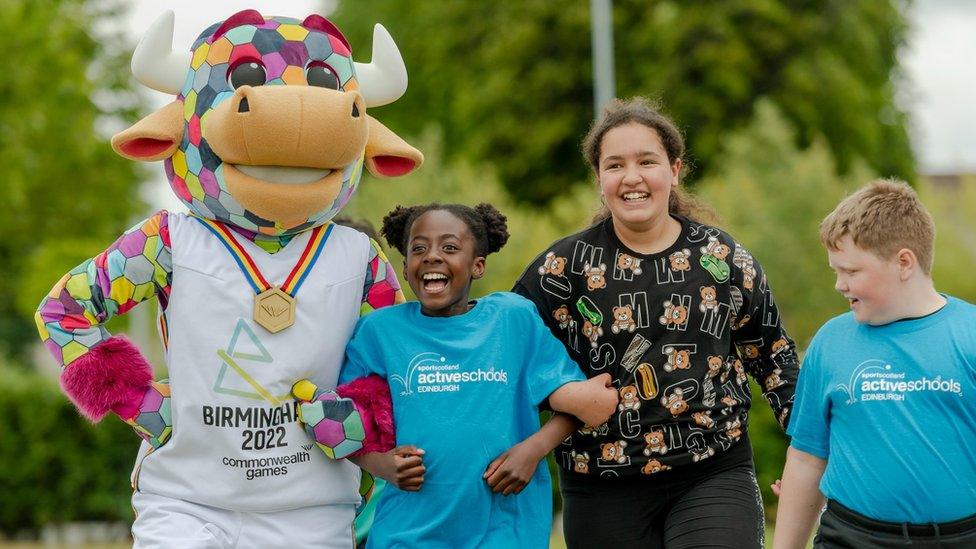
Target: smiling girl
(677, 312)
(467, 378)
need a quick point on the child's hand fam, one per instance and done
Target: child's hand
(510, 472)
(409, 468)
(777, 486)
(600, 400)
(402, 466)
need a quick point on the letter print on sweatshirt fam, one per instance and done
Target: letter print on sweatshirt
(585, 254)
(638, 304)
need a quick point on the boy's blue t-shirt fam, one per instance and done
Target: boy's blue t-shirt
(893, 411)
(465, 389)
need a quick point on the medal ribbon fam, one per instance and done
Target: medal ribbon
(250, 270)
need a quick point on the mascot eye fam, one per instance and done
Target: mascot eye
(321, 75)
(248, 73)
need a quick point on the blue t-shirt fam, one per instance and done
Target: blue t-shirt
(893, 411)
(465, 389)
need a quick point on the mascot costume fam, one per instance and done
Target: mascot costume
(259, 292)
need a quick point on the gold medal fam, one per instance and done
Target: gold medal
(274, 306)
(274, 310)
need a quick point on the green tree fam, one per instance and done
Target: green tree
(510, 82)
(56, 466)
(954, 211)
(65, 87)
(772, 196)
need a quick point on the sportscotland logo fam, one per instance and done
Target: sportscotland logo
(876, 380)
(431, 373)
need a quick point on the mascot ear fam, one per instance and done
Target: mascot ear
(387, 155)
(155, 137)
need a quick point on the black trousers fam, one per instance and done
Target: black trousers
(842, 528)
(722, 510)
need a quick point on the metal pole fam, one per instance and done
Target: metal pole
(604, 83)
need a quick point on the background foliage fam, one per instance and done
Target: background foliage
(522, 96)
(67, 195)
(55, 466)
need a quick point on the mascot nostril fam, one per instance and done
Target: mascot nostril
(251, 281)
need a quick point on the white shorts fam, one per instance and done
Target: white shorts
(166, 522)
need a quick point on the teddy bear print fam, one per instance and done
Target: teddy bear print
(654, 466)
(773, 380)
(738, 323)
(708, 301)
(740, 372)
(729, 402)
(734, 429)
(744, 261)
(697, 455)
(594, 431)
(704, 419)
(726, 370)
(595, 278)
(715, 365)
(592, 332)
(655, 443)
(562, 316)
(626, 262)
(553, 265)
(675, 403)
(674, 314)
(716, 249)
(750, 351)
(778, 346)
(677, 360)
(581, 462)
(623, 319)
(613, 451)
(679, 260)
(628, 398)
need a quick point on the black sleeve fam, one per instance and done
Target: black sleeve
(529, 286)
(767, 352)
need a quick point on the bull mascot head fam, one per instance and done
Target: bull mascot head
(269, 130)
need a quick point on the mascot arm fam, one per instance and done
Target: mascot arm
(102, 373)
(381, 288)
(355, 419)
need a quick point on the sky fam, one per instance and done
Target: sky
(938, 63)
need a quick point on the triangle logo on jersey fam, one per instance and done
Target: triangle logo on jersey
(244, 349)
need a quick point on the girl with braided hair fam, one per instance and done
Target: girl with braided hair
(467, 378)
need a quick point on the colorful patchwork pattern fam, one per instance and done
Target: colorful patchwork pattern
(285, 48)
(137, 267)
(381, 288)
(333, 422)
(154, 423)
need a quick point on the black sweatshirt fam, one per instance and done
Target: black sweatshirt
(677, 331)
